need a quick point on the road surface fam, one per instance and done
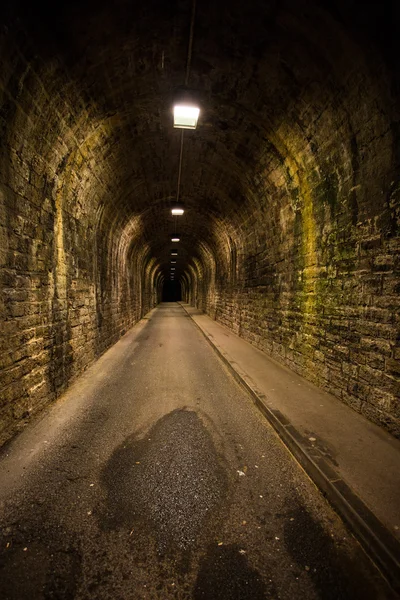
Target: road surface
(155, 477)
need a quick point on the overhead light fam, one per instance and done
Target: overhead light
(173, 262)
(172, 268)
(174, 254)
(186, 116)
(175, 239)
(177, 210)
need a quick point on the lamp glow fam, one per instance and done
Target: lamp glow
(186, 116)
(177, 211)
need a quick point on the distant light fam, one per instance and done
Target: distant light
(174, 254)
(172, 268)
(177, 211)
(186, 116)
(175, 239)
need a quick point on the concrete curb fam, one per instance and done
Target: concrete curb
(377, 541)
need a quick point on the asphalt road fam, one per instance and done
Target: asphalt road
(156, 477)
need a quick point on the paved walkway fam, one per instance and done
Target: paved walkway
(353, 461)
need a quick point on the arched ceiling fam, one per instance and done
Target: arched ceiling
(264, 70)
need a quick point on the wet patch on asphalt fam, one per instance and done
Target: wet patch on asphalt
(171, 480)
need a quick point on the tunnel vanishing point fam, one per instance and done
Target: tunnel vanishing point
(290, 186)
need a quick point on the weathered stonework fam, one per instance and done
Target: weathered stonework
(69, 284)
(291, 185)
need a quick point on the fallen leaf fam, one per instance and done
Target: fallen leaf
(244, 522)
(220, 543)
(241, 474)
(242, 551)
(245, 469)
(25, 549)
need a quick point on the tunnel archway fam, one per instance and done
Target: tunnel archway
(291, 186)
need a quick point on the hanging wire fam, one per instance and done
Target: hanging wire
(180, 168)
(188, 63)
(189, 56)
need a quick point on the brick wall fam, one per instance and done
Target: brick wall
(70, 272)
(318, 259)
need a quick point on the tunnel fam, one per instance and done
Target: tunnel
(276, 216)
(171, 291)
(290, 185)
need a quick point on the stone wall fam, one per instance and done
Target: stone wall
(317, 272)
(71, 276)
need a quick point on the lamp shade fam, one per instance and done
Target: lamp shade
(186, 116)
(177, 209)
(186, 108)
